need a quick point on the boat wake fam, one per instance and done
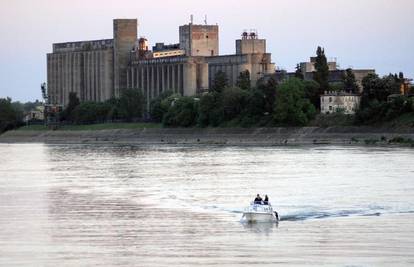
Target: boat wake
(309, 215)
(315, 213)
(286, 213)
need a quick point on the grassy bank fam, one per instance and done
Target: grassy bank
(93, 127)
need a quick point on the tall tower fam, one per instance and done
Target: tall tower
(125, 36)
(250, 44)
(199, 40)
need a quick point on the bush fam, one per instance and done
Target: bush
(209, 110)
(378, 112)
(11, 115)
(292, 109)
(157, 111)
(233, 102)
(91, 112)
(181, 113)
(131, 104)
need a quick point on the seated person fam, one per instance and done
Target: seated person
(258, 200)
(266, 201)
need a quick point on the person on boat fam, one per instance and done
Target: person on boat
(266, 200)
(258, 200)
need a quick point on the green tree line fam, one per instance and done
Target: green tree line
(382, 100)
(11, 114)
(128, 107)
(267, 104)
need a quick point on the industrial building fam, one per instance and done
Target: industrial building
(336, 74)
(98, 70)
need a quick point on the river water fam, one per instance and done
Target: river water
(84, 205)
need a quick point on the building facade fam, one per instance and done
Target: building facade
(95, 70)
(194, 69)
(98, 70)
(334, 102)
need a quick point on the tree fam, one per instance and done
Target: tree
(182, 112)
(401, 76)
(312, 92)
(10, 117)
(254, 111)
(298, 72)
(73, 103)
(321, 75)
(376, 88)
(243, 81)
(131, 104)
(209, 110)
(291, 107)
(375, 103)
(91, 112)
(220, 82)
(157, 111)
(268, 90)
(29, 106)
(233, 101)
(350, 84)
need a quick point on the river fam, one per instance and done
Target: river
(121, 205)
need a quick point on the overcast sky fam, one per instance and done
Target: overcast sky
(359, 33)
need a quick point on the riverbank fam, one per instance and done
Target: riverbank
(221, 136)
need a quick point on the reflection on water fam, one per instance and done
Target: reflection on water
(260, 228)
(182, 205)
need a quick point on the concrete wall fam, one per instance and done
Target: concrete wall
(183, 75)
(250, 46)
(88, 73)
(307, 67)
(360, 75)
(199, 40)
(257, 64)
(83, 46)
(125, 37)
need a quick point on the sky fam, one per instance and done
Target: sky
(376, 34)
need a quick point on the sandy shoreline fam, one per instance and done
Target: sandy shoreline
(223, 136)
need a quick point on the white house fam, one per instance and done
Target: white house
(332, 102)
(36, 114)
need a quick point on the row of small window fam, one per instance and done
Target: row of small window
(347, 108)
(347, 98)
(167, 53)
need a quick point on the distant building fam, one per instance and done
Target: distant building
(308, 67)
(191, 66)
(335, 74)
(333, 102)
(95, 70)
(35, 115)
(98, 70)
(406, 86)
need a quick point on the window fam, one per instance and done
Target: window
(330, 107)
(330, 99)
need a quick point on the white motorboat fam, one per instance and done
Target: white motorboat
(260, 213)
